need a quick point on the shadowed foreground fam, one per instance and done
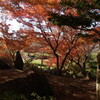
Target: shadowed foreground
(61, 88)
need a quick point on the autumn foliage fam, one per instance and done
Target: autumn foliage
(46, 29)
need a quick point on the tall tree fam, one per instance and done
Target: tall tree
(81, 55)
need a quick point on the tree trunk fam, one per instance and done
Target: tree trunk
(84, 72)
(18, 61)
(98, 77)
(57, 64)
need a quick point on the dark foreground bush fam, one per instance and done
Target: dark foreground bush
(10, 95)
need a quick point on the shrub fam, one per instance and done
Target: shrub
(9, 95)
(38, 97)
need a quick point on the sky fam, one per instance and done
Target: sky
(14, 25)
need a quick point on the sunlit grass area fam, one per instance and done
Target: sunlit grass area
(38, 61)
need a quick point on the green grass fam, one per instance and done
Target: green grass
(36, 61)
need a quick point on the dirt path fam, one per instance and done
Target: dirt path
(72, 89)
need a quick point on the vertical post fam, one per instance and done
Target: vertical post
(41, 62)
(98, 78)
(42, 59)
